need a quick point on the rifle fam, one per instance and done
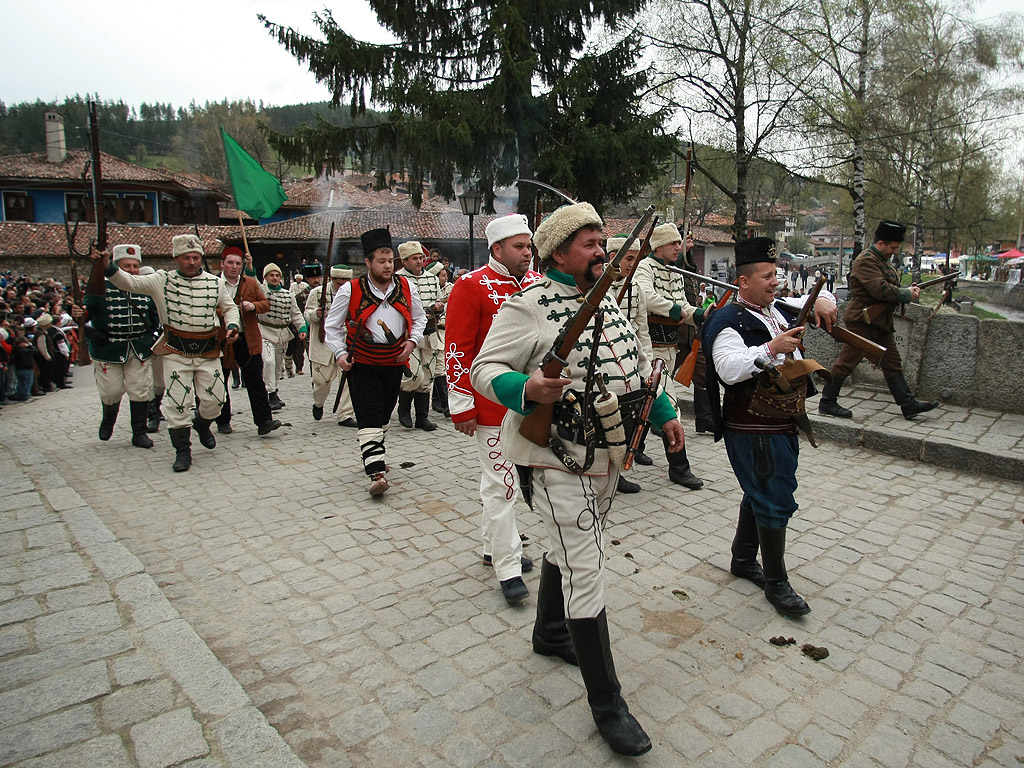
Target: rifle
(348, 357)
(805, 310)
(882, 308)
(872, 352)
(645, 248)
(77, 293)
(322, 331)
(653, 385)
(536, 426)
(685, 373)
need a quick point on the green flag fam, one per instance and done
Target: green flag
(257, 192)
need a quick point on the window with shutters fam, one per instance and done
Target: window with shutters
(18, 207)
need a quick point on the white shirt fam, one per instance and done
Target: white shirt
(334, 325)
(734, 360)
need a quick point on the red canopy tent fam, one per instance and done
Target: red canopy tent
(1013, 253)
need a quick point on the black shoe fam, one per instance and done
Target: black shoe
(236, 385)
(514, 590)
(787, 602)
(683, 476)
(425, 424)
(349, 422)
(524, 562)
(318, 412)
(642, 459)
(777, 589)
(422, 400)
(405, 409)
(905, 399)
(832, 408)
(276, 403)
(745, 544)
(626, 486)
(202, 428)
(267, 427)
(748, 569)
(405, 420)
(276, 406)
(224, 429)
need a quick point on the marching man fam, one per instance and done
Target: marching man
(472, 306)
(274, 329)
(416, 388)
(322, 365)
(187, 300)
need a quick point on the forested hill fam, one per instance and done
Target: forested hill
(182, 138)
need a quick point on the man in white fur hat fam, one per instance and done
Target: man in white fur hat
(120, 332)
(667, 309)
(422, 362)
(439, 393)
(473, 304)
(187, 301)
(322, 365)
(274, 323)
(572, 488)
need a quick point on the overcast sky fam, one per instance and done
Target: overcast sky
(178, 52)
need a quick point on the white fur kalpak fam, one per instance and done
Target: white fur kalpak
(182, 244)
(409, 248)
(507, 226)
(272, 267)
(126, 252)
(345, 273)
(664, 234)
(614, 243)
(557, 227)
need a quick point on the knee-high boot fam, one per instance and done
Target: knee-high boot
(744, 548)
(441, 395)
(679, 468)
(604, 693)
(550, 635)
(154, 414)
(422, 401)
(905, 399)
(405, 409)
(181, 439)
(202, 428)
(776, 582)
(702, 411)
(109, 419)
(828, 404)
(139, 411)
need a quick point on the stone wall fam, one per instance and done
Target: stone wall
(994, 293)
(951, 357)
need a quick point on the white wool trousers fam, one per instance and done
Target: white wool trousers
(114, 380)
(499, 489)
(275, 344)
(188, 378)
(575, 509)
(323, 374)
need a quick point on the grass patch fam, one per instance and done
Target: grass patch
(984, 314)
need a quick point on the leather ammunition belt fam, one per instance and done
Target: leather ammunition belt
(664, 331)
(188, 344)
(568, 417)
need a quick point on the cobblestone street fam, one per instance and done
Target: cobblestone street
(367, 631)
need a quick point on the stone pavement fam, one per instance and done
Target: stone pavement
(367, 631)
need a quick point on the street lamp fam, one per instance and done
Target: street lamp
(470, 201)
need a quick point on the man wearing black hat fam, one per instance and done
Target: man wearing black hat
(758, 420)
(875, 278)
(373, 326)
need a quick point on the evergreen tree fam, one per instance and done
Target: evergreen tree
(485, 90)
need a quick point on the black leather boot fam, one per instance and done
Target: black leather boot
(550, 635)
(604, 694)
(405, 409)
(109, 418)
(905, 399)
(202, 428)
(744, 548)
(679, 469)
(182, 442)
(441, 396)
(276, 403)
(828, 405)
(153, 408)
(139, 412)
(422, 400)
(702, 411)
(776, 583)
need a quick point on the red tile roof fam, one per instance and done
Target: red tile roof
(34, 167)
(21, 239)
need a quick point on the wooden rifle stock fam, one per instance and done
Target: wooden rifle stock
(872, 352)
(321, 333)
(78, 296)
(685, 373)
(536, 426)
(882, 308)
(645, 248)
(653, 385)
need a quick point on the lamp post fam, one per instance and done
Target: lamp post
(470, 201)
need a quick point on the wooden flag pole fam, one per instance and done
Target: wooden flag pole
(245, 240)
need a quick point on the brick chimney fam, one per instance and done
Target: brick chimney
(56, 149)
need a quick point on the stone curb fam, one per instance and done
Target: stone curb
(238, 730)
(935, 451)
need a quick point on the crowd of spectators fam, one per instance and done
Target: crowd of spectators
(38, 338)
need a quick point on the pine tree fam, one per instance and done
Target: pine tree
(488, 91)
